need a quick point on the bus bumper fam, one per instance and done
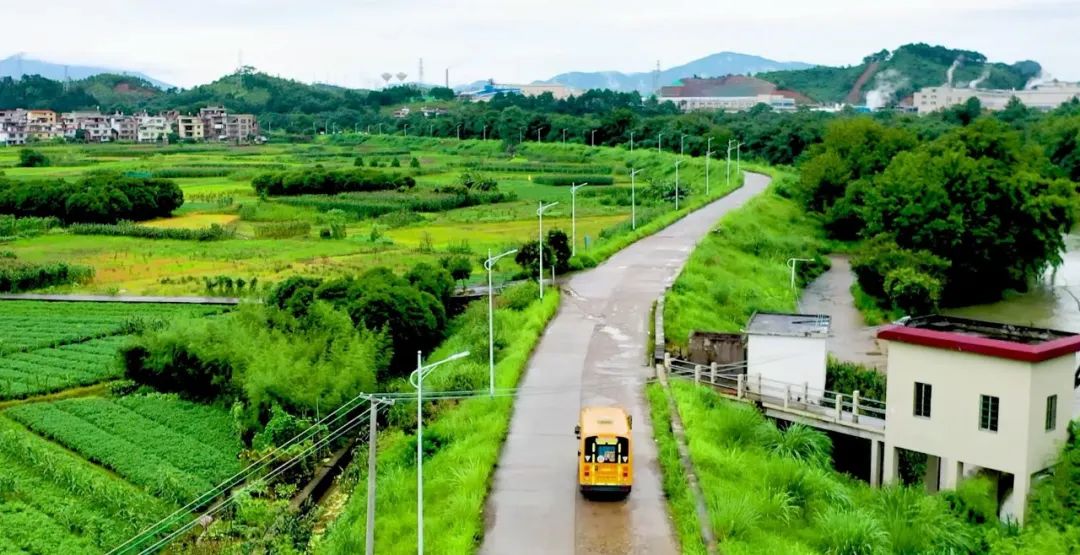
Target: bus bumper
(589, 488)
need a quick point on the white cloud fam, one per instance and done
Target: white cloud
(351, 42)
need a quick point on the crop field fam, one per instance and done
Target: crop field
(173, 448)
(52, 369)
(382, 228)
(28, 325)
(53, 502)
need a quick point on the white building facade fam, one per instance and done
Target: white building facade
(787, 349)
(1046, 96)
(976, 396)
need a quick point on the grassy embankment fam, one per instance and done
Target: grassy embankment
(462, 440)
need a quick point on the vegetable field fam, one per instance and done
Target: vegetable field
(175, 449)
(26, 325)
(53, 502)
(45, 370)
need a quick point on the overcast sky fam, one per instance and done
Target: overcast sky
(351, 42)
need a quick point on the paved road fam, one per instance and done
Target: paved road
(593, 353)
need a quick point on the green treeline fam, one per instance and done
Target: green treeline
(103, 198)
(319, 181)
(952, 219)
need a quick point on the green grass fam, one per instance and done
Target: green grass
(770, 491)
(741, 267)
(173, 448)
(463, 439)
(676, 487)
(53, 502)
(870, 308)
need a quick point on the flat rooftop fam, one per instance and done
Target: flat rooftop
(996, 339)
(789, 325)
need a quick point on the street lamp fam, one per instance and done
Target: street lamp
(489, 264)
(633, 200)
(592, 139)
(738, 158)
(659, 137)
(631, 142)
(708, 154)
(459, 131)
(485, 132)
(540, 215)
(416, 379)
(538, 134)
(521, 136)
(405, 131)
(682, 144)
(380, 129)
(677, 164)
(564, 135)
(573, 217)
(729, 147)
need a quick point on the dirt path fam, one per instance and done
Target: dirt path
(593, 353)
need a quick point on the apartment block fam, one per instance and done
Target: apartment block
(152, 129)
(190, 128)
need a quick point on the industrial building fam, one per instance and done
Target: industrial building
(732, 93)
(1045, 96)
(490, 89)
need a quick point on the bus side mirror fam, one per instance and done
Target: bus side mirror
(577, 431)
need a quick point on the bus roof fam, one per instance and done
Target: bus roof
(604, 420)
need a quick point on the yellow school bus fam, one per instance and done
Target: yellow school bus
(605, 457)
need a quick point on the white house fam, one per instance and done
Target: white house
(978, 396)
(787, 348)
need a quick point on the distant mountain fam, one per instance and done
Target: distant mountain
(18, 65)
(715, 65)
(885, 78)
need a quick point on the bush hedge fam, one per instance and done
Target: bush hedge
(16, 276)
(129, 229)
(574, 179)
(323, 182)
(97, 198)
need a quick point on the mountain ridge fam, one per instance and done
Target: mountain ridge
(17, 65)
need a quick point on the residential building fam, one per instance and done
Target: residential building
(241, 127)
(152, 129)
(13, 127)
(787, 348)
(95, 126)
(1045, 96)
(732, 93)
(214, 120)
(41, 125)
(978, 396)
(190, 128)
(124, 128)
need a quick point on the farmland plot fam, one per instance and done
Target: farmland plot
(173, 448)
(54, 502)
(23, 374)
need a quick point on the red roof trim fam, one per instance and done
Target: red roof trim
(982, 345)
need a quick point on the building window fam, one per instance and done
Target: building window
(922, 399)
(988, 412)
(1051, 413)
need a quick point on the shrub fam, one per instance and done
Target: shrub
(574, 179)
(882, 256)
(476, 181)
(847, 377)
(395, 163)
(29, 158)
(371, 205)
(10, 226)
(414, 163)
(18, 276)
(850, 532)
(96, 198)
(913, 291)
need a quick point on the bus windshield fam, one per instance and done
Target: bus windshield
(601, 449)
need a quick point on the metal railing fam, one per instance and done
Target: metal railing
(732, 381)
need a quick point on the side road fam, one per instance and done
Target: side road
(593, 354)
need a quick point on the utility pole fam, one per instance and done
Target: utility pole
(677, 164)
(659, 138)
(592, 139)
(633, 200)
(708, 154)
(485, 132)
(573, 217)
(369, 543)
(538, 134)
(540, 215)
(631, 142)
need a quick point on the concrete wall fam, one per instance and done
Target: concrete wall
(1049, 378)
(793, 360)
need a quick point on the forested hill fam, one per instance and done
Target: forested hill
(897, 74)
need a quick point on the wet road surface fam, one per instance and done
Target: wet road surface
(592, 353)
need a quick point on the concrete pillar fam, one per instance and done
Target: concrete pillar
(697, 374)
(712, 373)
(739, 386)
(1015, 502)
(890, 465)
(932, 478)
(952, 471)
(875, 463)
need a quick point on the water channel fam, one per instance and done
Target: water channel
(1053, 302)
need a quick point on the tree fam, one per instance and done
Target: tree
(528, 257)
(414, 163)
(395, 163)
(358, 162)
(559, 244)
(460, 268)
(436, 280)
